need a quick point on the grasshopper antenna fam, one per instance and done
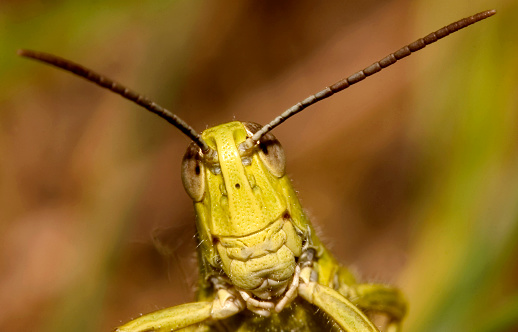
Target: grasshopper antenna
(370, 70)
(119, 89)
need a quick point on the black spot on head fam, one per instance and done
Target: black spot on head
(238, 186)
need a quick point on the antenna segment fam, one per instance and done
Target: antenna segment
(119, 89)
(370, 70)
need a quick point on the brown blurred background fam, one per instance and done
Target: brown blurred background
(411, 176)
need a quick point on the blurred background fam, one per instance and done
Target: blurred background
(411, 176)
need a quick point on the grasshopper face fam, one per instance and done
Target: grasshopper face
(244, 217)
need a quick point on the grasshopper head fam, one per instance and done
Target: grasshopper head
(243, 207)
(238, 190)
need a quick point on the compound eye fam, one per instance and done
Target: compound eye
(193, 175)
(272, 155)
(270, 151)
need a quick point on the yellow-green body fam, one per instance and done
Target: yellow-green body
(252, 234)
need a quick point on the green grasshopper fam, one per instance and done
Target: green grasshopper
(261, 265)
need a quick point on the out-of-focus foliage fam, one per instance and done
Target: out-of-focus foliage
(412, 175)
(462, 273)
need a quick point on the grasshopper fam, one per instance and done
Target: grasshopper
(262, 267)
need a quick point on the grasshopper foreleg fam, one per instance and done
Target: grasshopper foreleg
(226, 304)
(380, 299)
(347, 315)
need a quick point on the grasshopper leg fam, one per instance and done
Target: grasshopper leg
(223, 306)
(382, 299)
(372, 298)
(341, 310)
